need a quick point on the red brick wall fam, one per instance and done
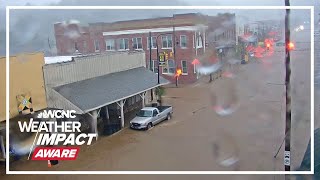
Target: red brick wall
(187, 54)
(67, 35)
(95, 33)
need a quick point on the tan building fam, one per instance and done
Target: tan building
(27, 92)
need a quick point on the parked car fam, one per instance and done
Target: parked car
(150, 116)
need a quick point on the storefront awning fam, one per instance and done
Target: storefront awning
(100, 91)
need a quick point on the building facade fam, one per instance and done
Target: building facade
(27, 92)
(102, 87)
(182, 37)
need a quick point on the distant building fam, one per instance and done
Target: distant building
(261, 29)
(194, 33)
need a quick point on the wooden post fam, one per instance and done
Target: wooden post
(2, 147)
(122, 113)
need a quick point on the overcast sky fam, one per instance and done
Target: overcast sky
(190, 2)
(32, 28)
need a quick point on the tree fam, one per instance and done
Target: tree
(160, 91)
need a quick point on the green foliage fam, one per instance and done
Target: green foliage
(160, 91)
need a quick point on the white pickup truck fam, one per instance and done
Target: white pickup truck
(150, 116)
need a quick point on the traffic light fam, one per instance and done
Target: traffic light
(268, 46)
(167, 55)
(178, 72)
(290, 46)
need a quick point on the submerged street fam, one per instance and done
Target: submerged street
(197, 138)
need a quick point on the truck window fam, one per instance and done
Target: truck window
(155, 112)
(144, 113)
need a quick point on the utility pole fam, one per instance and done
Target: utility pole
(174, 50)
(158, 59)
(150, 67)
(150, 60)
(288, 95)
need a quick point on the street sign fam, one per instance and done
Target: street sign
(162, 59)
(286, 158)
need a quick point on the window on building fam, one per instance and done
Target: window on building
(183, 41)
(76, 46)
(110, 44)
(166, 41)
(153, 42)
(85, 45)
(137, 43)
(197, 40)
(184, 67)
(124, 44)
(170, 68)
(154, 66)
(97, 45)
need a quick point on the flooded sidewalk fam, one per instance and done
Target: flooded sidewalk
(197, 137)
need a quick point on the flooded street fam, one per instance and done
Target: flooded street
(199, 138)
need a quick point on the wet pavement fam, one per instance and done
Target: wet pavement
(197, 138)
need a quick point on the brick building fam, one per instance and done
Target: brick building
(194, 35)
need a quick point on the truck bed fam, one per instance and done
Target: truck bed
(162, 108)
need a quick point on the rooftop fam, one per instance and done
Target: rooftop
(189, 19)
(91, 94)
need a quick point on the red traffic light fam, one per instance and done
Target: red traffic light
(290, 46)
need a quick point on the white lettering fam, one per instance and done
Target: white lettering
(78, 142)
(39, 153)
(56, 153)
(72, 153)
(91, 136)
(68, 126)
(48, 153)
(46, 139)
(59, 114)
(24, 127)
(35, 126)
(72, 112)
(64, 153)
(69, 140)
(76, 127)
(60, 138)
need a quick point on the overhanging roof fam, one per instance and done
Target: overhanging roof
(100, 91)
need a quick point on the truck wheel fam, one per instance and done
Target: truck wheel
(149, 126)
(168, 116)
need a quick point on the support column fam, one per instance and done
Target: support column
(122, 113)
(143, 97)
(107, 117)
(94, 124)
(121, 104)
(107, 112)
(2, 147)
